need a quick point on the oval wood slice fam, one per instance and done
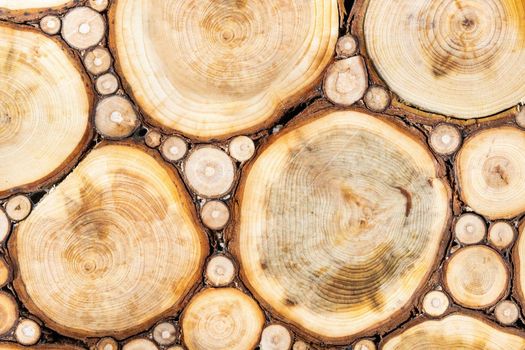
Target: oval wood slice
(449, 57)
(456, 331)
(45, 107)
(20, 11)
(112, 248)
(239, 63)
(340, 221)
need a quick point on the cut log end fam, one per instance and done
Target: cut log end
(153, 138)
(435, 303)
(8, 312)
(241, 148)
(365, 344)
(209, 172)
(476, 276)
(174, 148)
(346, 81)
(5, 225)
(5, 272)
(223, 318)
(98, 5)
(507, 312)
(377, 98)
(140, 344)
(106, 84)
(220, 271)
(215, 214)
(470, 229)
(115, 117)
(107, 343)
(27, 332)
(501, 235)
(300, 345)
(165, 333)
(50, 24)
(98, 60)
(275, 337)
(347, 46)
(445, 139)
(82, 28)
(18, 207)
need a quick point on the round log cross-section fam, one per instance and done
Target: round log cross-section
(340, 222)
(449, 57)
(112, 249)
(239, 63)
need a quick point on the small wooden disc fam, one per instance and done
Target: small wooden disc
(176, 347)
(241, 148)
(365, 344)
(82, 27)
(153, 138)
(300, 345)
(210, 172)
(165, 333)
(520, 118)
(220, 271)
(445, 139)
(18, 207)
(275, 337)
(8, 312)
(98, 60)
(476, 276)
(5, 225)
(174, 148)
(435, 303)
(346, 46)
(106, 84)
(215, 214)
(140, 344)
(377, 98)
(470, 229)
(98, 5)
(115, 117)
(5, 272)
(27, 332)
(501, 234)
(50, 24)
(107, 343)
(346, 81)
(507, 312)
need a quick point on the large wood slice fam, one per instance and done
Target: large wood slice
(45, 106)
(456, 331)
(518, 260)
(112, 248)
(460, 58)
(212, 69)
(340, 222)
(54, 346)
(24, 10)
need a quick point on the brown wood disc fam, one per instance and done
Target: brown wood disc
(174, 148)
(50, 24)
(215, 214)
(165, 333)
(275, 337)
(445, 139)
(82, 28)
(8, 312)
(377, 98)
(346, 81)
(98, 60)
(347, 46)
(435, 303)
(106, 84)
(507, 312)
(115, 117)
(153, 138)
(18, 207)
(470, 229)
(501, 235)
(27, 332)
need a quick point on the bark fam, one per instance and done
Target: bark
(313, 230)
(244, 71)
(106, 239)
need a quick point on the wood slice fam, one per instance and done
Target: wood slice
(220, 271)
(106, 84)
(209, 172)
(165, 333)
(335, 249)
(520, 117)
(435, 303)
(239, 64)
(215, 214)
(449, 57)
(27, 332)
(5, 272)
(223, 318)
(107, 344)
(489, 169)
(115, 117)
(518, 260)
(365, 344)
(5, 225)
(507, 312)
(83, 28)
(98, 60)
(346, 81)
(476, 276)
(18, 207)
(501, 235)
(140, 344)
(153, 138)
(347, 46)
(300, 345)
(98, 5)
(377, 98)
(445, 139)
(8, 312)
(470, 229)
(174, 148)
(50, 24)
(113, 248)
(275, 337)
(241, 148)
(50, 346)
(21, 11)
(45, 103)
(456, 331)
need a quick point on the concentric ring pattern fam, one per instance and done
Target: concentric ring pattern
(462, 58)
(223, 67)
(340, 222)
